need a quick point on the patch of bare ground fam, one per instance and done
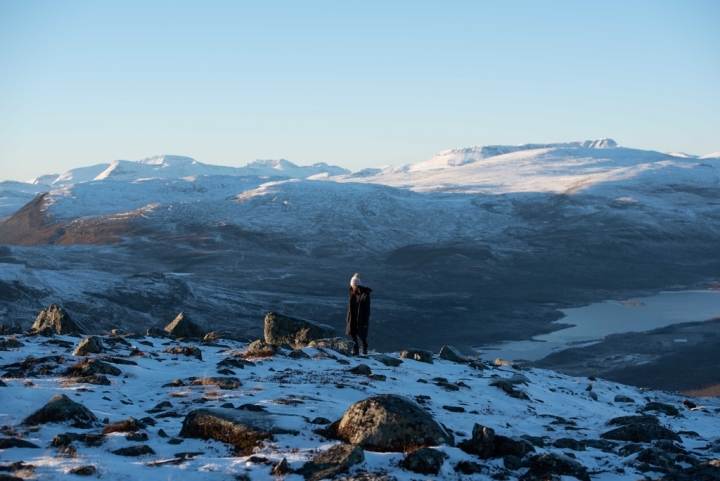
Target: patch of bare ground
(680, 357)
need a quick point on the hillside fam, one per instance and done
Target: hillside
(142, 393)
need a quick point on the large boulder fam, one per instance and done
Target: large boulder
(338, 459)
(449, 353)
(418, 355)
(242, 429)
(337, 344)
(57, 320)
(60, 409)
(548, 466)
(424, 461)
(639, 429)
(390, 423)
(182, 326)
(89, 345)
(281, 329)
(482, 442)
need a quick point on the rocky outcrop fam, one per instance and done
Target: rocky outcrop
(185, 351)
(338, 459)
(61, 409)
(424, 461)
(449, 353)
(89, 345)
(418, 355)
(182, 326)
(390, 423)
(57, 320)
(482, 442)
(639, 429)
(337, 344)
(281, 329)
(548, 466)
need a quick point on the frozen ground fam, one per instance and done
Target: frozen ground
(300, 390)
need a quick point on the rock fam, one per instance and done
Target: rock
(156, 332)
(6, 443)
(86, 439)
(569, 443)
(661, 407)
(704, 471)
(338, 459)
(361, 369)
(88, 367)
(378, 377)
(280, 468)
(454, 409)
(689, 404)
(321, 420)
(298, 354)
(449, 353)
(623, 399)
(469, 467)
(390, 422)
(337, 344)
(639, 429)
(417, 355)
(502, 362)
(60, 409)
(6, 344)
(386, 360)
(244, 430)
(655, 457)
(513, 463)
(482, 442)
(281, 329)
(139, 450)
(185, 351)
(137, 437)
(97, 379)
(89, 345)
(505, 446)
(424, 461)
(260, 348)
(221, 382)
(545, 466)
(88, 470)
(182, 326)
(57, 320)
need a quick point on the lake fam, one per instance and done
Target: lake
(594, 322)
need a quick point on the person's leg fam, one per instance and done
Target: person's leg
(363, 344)
(356, 346)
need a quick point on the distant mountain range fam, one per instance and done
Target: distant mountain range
(470, 247)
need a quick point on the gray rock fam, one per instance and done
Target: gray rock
(620, 398)
(505, 446)
(386, 360)
(280, 468)
(6, 443)
(156, 332)
(57, 320)
(60, 409)
(298, 354)
(424, 461)
(655, 457)
(482, 442)
(661, 407)
(88, 367)
(417, 355)
(261, 348)
(185, 351)
(390, 423)
(89, 345)
(140, 450)
(182, 326)
(281, 329)
(221, 382)
(639, 429)
(6, 344)
(449, 353)
(337, 344)
(361, 369)
(338, 459)
(545, 466)
(88, 470)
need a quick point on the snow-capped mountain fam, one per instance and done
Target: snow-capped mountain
(487, 242)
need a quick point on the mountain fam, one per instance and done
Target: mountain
(129, 411)
(484, 246)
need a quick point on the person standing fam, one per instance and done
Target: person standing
(358, 314)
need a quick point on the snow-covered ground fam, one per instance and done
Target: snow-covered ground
(300, 390)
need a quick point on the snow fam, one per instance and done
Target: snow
(316, 384)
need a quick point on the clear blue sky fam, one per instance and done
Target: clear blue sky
(356, 84)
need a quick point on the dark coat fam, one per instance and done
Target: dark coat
(358, 313)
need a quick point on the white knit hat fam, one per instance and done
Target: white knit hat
(355, 281)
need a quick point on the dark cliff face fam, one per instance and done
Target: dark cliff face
(33, 226)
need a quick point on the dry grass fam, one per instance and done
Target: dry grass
(258, 354)
(708, 391)
(213, 393)
(130, 425)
